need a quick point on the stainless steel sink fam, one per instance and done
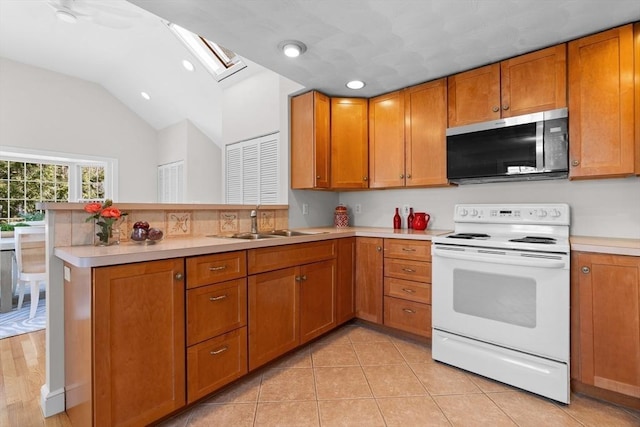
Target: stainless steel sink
(275, 234)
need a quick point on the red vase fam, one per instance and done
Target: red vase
(410, 219)
(421, 221)
(397, 220)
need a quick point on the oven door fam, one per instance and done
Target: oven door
(514, 299)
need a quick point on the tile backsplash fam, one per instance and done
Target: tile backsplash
(176, 221)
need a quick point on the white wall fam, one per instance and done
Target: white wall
(44, 110)
(202, 158)
(604, 207)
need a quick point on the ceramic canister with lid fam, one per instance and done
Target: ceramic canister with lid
(341, 218)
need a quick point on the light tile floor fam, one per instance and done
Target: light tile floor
(357, 376)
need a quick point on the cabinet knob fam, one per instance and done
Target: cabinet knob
(495, 109)
(586, 270)
(409, 291)
(178, 276)
(317, 176)
(408, 270)
(379, 248)
(298, 279)
(505, 107)
(575, 162)
(408, 176)
(409, 311)
(366, 178)
(401, 176)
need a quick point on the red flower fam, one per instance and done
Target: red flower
(93, 207)
(111, 213)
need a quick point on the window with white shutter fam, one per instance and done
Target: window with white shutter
(171, 182)
(252, 171)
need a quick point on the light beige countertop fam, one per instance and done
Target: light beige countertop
(128, 252)
(605, 245)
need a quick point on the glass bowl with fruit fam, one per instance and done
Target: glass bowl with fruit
(145, 234)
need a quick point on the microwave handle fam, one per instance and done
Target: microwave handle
(501, 259)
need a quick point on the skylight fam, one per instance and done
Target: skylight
(219, 61)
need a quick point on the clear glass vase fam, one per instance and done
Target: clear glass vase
(106, 233)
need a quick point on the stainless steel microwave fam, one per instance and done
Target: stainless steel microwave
(529, 147)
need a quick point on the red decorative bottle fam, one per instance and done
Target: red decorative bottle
(410, 219)
(397, 220)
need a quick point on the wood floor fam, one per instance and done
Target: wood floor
(22, 373)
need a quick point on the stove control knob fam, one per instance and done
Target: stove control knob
(555, 213)
(474, 212)
(542, 213)
(463, 212)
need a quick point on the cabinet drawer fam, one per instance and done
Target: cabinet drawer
(409, 290)
(208, 269)
(408, 316)
(418, 250)
(215, 309)
(215, 363)
(406, 269)
(275, 258)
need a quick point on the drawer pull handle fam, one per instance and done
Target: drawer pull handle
(409, 291)
(408, 310)
(408, 249)
(409, 270)
(222, 267)
(222, 350)
(218, 298)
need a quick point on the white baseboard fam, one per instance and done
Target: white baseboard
(51, 402)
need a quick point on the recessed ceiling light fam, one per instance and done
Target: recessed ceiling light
(145, 95)
(187, 65)
(66, 16)
(292, 48)
(355, 84)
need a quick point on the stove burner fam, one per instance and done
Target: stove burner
(535, 239)
(469, 236)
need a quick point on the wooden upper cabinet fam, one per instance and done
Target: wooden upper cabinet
(474, 96)
(525, 84)
(534, 82)
(636, 33)
(407, 141)
(310, 141)
(601, 123)
(386, 140)
(425, 134)
(349, 143)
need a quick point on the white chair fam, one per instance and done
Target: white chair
(31, 265)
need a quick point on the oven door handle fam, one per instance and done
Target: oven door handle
(530, 261)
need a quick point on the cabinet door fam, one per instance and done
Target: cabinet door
(636, 33)
(310, 144)
(273, 315)
(369, 281)
(386, 141)
(534, 82)
(474, 96)
(139, 345)
(601, 126)
(609, 306)
(425, 134)
(317, 299)
(349, 143)
(345, 282)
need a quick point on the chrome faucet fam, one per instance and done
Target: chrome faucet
(254, 221)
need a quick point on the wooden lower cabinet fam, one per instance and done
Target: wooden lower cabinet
(215, 363)
(293, 303)
(274, 326)
(605, 298)
(345, 280)
(369, 279)
(407, 285)
(139, 341)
